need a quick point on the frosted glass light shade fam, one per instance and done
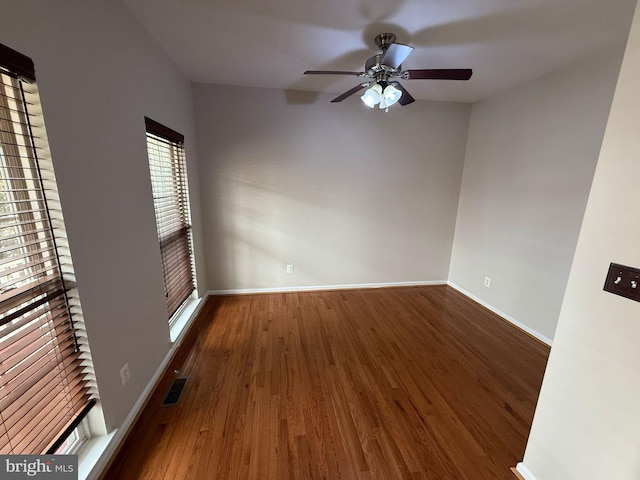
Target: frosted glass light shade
(372, 96)
(390, 95)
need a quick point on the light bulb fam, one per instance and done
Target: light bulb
(372, 96)
(391, 95)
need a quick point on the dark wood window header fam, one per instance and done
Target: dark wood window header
(17, 63)
(160, 130)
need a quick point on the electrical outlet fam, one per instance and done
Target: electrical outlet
(124, 374)
(290, 268)
(487, 282)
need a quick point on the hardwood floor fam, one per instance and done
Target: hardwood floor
(395, 383)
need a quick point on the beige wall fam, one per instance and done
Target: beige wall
(99, 74)
(346, 194)
(530, 160)
(587, 424)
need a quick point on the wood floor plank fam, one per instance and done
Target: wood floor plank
(397, 383)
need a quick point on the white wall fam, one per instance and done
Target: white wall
(99, 74)
(346, 194)
(530, 160)
(587, 423)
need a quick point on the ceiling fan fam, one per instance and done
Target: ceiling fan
(382, 70)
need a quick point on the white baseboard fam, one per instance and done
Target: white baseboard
(525, 472)
(116, 437)
(120, 434)
(509, 318)
(309, 288)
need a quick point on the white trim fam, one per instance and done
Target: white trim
(191, 311)
(508, 318)
(92, 453)
(188, 312)
(348, 286)
(110, 443)
(525, 472)
(118, 435)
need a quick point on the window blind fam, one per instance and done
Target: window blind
(168, 169)
(46, 381)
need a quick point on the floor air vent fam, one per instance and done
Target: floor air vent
(175, 391)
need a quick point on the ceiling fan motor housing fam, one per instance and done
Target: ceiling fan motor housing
(373, 67)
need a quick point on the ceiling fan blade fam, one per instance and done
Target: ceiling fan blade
(332, 72)
(439, 74)
(348, 93)
(395, 55)
(406, 97)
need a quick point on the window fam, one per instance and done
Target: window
(46, 384)
(168, 168)
(75, 440)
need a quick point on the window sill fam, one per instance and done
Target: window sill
(189, 310)
(90, 454)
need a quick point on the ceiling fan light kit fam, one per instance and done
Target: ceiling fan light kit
(383, 67)
(382, 96)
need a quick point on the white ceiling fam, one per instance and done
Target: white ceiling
(270, 43)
